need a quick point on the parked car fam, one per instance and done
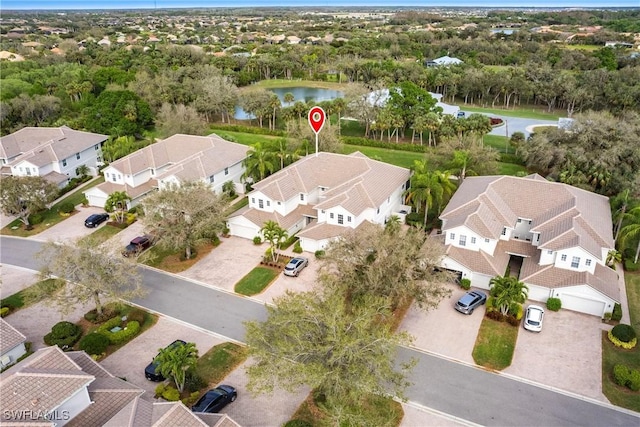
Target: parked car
(461, 114)
(215, 399)
(295, 266)
(150, 372)
(137, 245)
(95, 220)
(533, 318)
(469, 301)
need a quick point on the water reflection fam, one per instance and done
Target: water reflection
(305, 94)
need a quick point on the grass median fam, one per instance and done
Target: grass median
(256, 281)
(495, 344)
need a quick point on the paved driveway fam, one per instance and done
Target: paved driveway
(567, 354)
(130, 360)
(444, 330)
(306, 281)
(72, 227)
(515, 124)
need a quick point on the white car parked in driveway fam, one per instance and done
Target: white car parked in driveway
(533, 318)
(295, 266)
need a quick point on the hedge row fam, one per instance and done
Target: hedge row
(123, 335)
(366, 142)
(249, 129)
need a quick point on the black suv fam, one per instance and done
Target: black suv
(95, 220)
(150, 371)
(137, 245)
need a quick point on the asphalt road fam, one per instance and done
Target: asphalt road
(463, 391)
(514, 124)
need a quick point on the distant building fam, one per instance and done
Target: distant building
(443, 61)
(618, 44)
(11, 345)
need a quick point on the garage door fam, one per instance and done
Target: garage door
(242, 231)
(583, 305)
(96, 200)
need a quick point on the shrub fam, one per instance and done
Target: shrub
(4, 311)
(554, 304)
(193, 397)
(215, 240)
(123, 335)
(109, 324)
(159, 390)
(136, 315)
(94, 343)
(194, 382)
(626, 345)
(66, 207)
(297, 423)
(621, 374)
(171, 394)
(63, 334)
(517, 311)
(491, 304)
(634, 380)
(91, 316)
(297, 248)
(624, 333)
(319, 254)
(257, 240)
(35, 218)
(629, 265)
(513, 320)
(414, 218)
(465, 284)
(288, 242)
(617, 312)
(607, 316)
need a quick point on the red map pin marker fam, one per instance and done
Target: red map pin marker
(316, 119)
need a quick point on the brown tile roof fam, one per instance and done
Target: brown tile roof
(63, 141)
(479, 261)
(176, 415)
(564, 216)
(42, 382)
(355, 178)
(320, 231)
(55, 177)
(213, 152)
(10, 337)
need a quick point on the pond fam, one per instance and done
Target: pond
(306, 94)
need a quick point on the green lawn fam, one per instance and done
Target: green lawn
(244, 138)
(538, 112)
(219, 361)
(21, 298)
(495, 344)
(612, 355)
(103, 234)
(51, 217)
(395, 157)
(256, 280)
(510, 168)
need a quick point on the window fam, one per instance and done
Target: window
(452, 236)
(529, 222)
(378, 210)
(64, 162)
(279, 203)
(550, 252)
(519, 220)
(211, 178)
(268, 202)
(348, 218)
(95, 147)
(77, 156)
(563, 257)
(301, 196)
(253, 200)
(473, 240)
(463, 240)
(587, 262)
(331, 215)
(575, 262)
(226, 171)
(260, 204)
(504, 231)
(340, 219)
(28, 172)
(486, 240)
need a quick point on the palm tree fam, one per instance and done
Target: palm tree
(117, 202)
(428, 187)
(259, 163)
(339, 107)
(175, 361)
(631, 231)
(613, 257)
(280, 150)
(507, 290)
(274, 234)
(288, 97)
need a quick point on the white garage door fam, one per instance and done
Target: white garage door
(242, 231)
(96, 200)
(583, 305)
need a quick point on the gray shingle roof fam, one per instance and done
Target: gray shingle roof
(10, 337)
(52, 143)
(561, 213)
(187, 156)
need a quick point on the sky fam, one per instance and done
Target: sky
(150, 4)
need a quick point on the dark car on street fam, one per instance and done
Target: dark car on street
(95, 220)
(469, 301)
(295, 266)
(137, 245)
(150, 372)
(216, 399)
